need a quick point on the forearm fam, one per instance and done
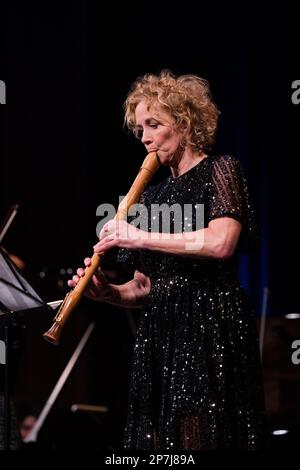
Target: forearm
(125, 295)
(217, 241)
(204, 243)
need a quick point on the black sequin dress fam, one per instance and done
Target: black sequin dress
(196, 380)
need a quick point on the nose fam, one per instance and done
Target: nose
(147, 137)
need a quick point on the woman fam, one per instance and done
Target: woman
(196, 374)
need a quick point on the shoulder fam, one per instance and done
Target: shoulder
(224, 160)
(226, 165)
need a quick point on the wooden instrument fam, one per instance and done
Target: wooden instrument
(147, 170)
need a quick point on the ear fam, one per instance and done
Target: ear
(183, 128)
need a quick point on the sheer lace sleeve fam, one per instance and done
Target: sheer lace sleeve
(228, 197)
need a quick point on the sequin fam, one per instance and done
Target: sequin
(196, 381)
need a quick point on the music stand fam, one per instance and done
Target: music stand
(16, 296)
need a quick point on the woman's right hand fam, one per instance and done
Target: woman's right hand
(98, 288)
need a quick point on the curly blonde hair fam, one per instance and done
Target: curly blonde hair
(186, 98)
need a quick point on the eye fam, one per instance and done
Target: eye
(138, 131)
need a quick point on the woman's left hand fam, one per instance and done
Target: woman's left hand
(118, 233)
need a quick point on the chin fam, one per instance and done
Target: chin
(162, 160)
(165, 160)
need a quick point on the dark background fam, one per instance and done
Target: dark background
(67, 68)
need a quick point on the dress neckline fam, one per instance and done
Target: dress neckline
(190, 170)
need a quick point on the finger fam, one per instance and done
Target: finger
(75, 278)
(138, 276)
(80, 272)
(71, 283)
(98, 249)
(105, 244)
(106, 247)
(100, 273)
(147, 283)
(101, 235)
(96, 282)
(99, 278)
(110, 226)
(142, 279)
(104, 232)
(87, 261)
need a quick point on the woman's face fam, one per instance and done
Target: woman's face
(156, 130)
